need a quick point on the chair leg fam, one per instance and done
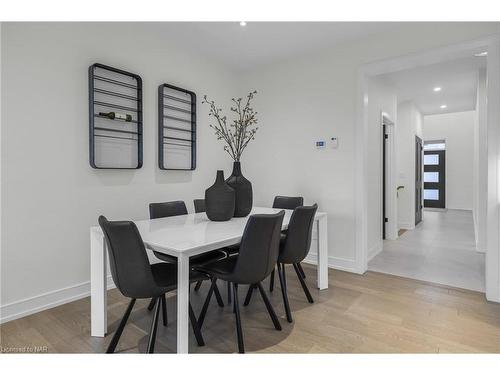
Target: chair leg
(154, 325)
(269, 307)
(198, 285)
(301, 270)
(229, 292)
(218, 297)
(196, 327)
(281, 274)
(121, 326)
(151, 304)
(271, 282)
(241, 346)
(249, 295)
(303, 283)
(164, 309)
(204, 309)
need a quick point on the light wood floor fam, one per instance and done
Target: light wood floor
(374, 313)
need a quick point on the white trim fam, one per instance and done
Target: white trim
(407, 226)
(44, 301)
(493, 149)
(375, 250)
(341, 264)
(419, 59)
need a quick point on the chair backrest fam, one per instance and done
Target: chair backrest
(287, 203)
(299, 233)
(128, 261)
(166, 209)
(199, 205)
(259, 248)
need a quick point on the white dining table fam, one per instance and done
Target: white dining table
(184, 236)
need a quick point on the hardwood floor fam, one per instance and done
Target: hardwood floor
(374, 313)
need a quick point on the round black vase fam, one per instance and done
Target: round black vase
(220, 200)
(243, 190)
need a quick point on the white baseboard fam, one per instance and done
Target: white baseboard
(341, 264)
(28, 306)
(407, 226)
(375, 250)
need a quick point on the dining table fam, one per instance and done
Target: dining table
(184, 236)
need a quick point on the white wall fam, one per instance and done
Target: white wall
(50, 195)
(480, 163)
(457, 129)
(408, 127)
(381, 98)
(315, 97)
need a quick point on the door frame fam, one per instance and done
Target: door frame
(433, 56)
(389, 193)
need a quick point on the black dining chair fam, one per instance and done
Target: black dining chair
(256, 259)
(199, 205)
(286, 203)
(176, 208)
(135, 278)
(293, 249)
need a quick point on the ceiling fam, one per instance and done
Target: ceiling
(457, 79)
(261, 43)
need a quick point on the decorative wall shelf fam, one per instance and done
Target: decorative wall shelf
(176, 128)
(115, 118)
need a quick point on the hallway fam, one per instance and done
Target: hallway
(441, 249)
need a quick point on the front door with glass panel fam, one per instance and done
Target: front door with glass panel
(434, 179)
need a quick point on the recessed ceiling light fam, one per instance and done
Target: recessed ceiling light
(443, 106)
(481, 54)
(436, 89)
(243, 23)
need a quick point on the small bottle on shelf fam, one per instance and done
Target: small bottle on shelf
(116, 115)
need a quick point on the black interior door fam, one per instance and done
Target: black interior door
(418, 179)
(384, 160)
(434, 179)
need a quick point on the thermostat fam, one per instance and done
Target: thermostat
(335, 142)
(320, 144)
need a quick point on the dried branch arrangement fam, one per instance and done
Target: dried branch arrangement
(241, 131)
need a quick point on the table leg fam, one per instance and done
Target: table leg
(182, 304)
(98, 287)
(322, 253)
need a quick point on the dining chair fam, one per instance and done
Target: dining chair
(256, 259)
(136, 278)
(176, 208)
(199, 205)
(293, 249)
(286, 203)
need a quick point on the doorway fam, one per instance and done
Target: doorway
(432, 249)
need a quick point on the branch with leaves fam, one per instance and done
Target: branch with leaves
(238, 134)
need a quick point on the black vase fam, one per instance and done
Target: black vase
(220, 200)
(243, 190)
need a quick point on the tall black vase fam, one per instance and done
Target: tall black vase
(243, 190)
(220, 200)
